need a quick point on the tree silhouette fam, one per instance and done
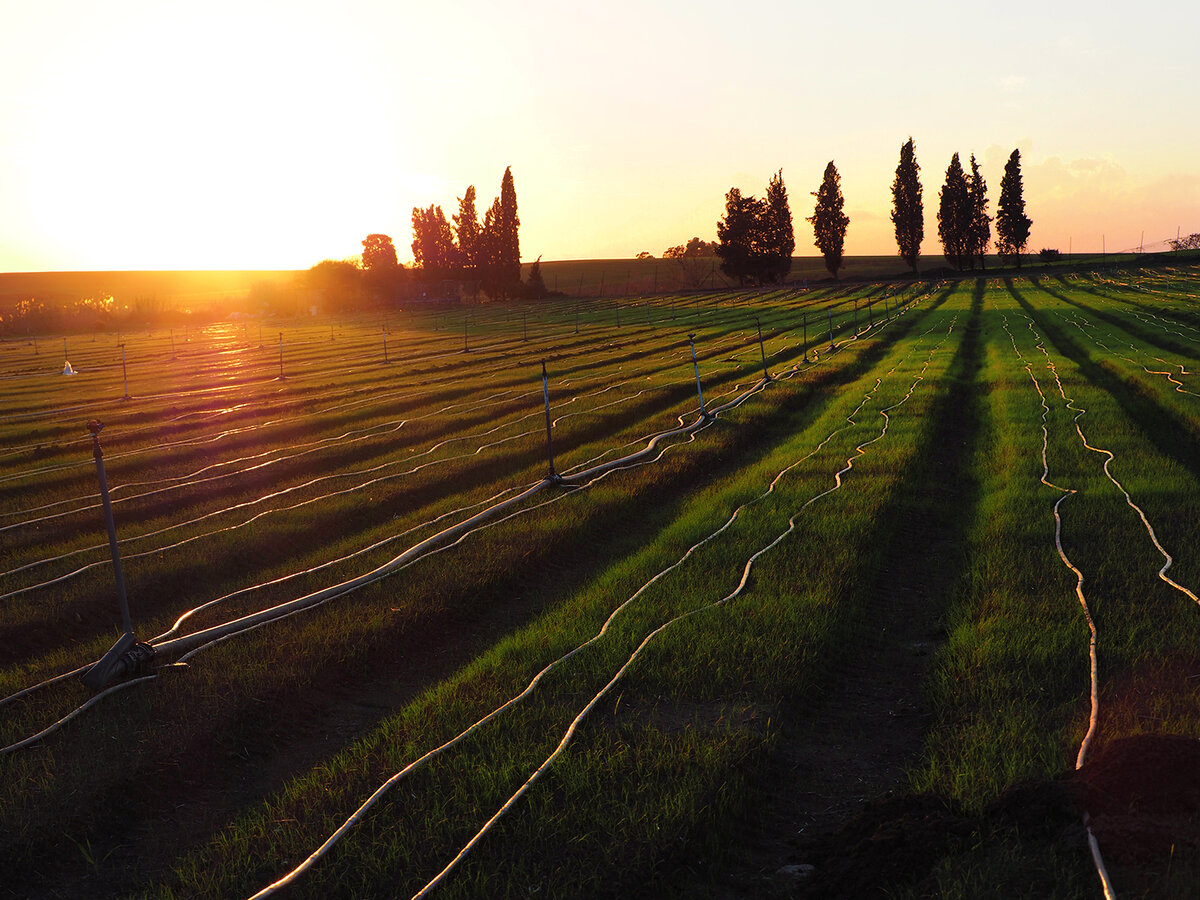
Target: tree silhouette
(379, 254)
(1012, 225)
(535, 289)
(828, 221)
(693, 260)
(508, 249)
(381, 269)
(434, 252)
(979, 232)
(740, 234)
(908, 210)
(954, 214)
(466, 229)
(778, 238)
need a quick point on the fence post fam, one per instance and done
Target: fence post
(830, 312)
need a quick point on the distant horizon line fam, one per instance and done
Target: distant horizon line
(582, 259)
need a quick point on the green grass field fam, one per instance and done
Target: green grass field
(585, 689)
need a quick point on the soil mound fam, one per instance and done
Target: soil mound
(1143, 793)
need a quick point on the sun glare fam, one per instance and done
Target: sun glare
(180, 141)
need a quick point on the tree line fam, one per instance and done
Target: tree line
(755, 238)
(486, 253)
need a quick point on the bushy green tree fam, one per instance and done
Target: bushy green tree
(828, 219)
(1012, 225)
(954, 214)
(435, 254)
(740, 235)
(908, 208)
(756, 240)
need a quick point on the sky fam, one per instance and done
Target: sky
(273, 134)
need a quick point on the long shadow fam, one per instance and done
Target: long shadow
(1134, 328)
(1169, 434)
(134, 836)
(911, 564)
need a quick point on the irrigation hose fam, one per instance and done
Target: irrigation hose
(600, 470)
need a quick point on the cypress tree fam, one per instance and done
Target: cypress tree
(980, 229)
(466, 229)
(908, 210)
(1012, 225)
(828, 221)
(508, 244)
(954, 214)
(779, 238)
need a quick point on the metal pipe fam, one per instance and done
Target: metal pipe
(94, 427)
(549, 439)
(762, 350)
(696, 369)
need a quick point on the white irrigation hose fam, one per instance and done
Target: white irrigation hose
(273, 510)
(1093, 668)
(597, 473)
(187, 656)
(1109, 457)
(411, 767)
(46, 732)
(1179, 388)
(193, 478)
(570, 732)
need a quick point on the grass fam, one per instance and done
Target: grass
(315, 712)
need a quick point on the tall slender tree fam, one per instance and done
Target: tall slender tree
(1012, 225)
(508, 257)
(828, 220)
(979, 232)
(466, 230)
(778, 237)
(954, 214)
(908, 209)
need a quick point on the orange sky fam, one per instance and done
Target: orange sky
(271, 134)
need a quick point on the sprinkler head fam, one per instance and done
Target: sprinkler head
(94, 426)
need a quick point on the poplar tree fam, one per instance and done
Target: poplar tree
(1012, 225)
(466, 230)
(778, 237)
(979, 232)
(908, 210)
(508, 244)
(954, 214)
(828, 221)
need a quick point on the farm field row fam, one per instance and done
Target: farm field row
(694, 611)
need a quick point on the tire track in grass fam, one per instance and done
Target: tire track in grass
(859, 450)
